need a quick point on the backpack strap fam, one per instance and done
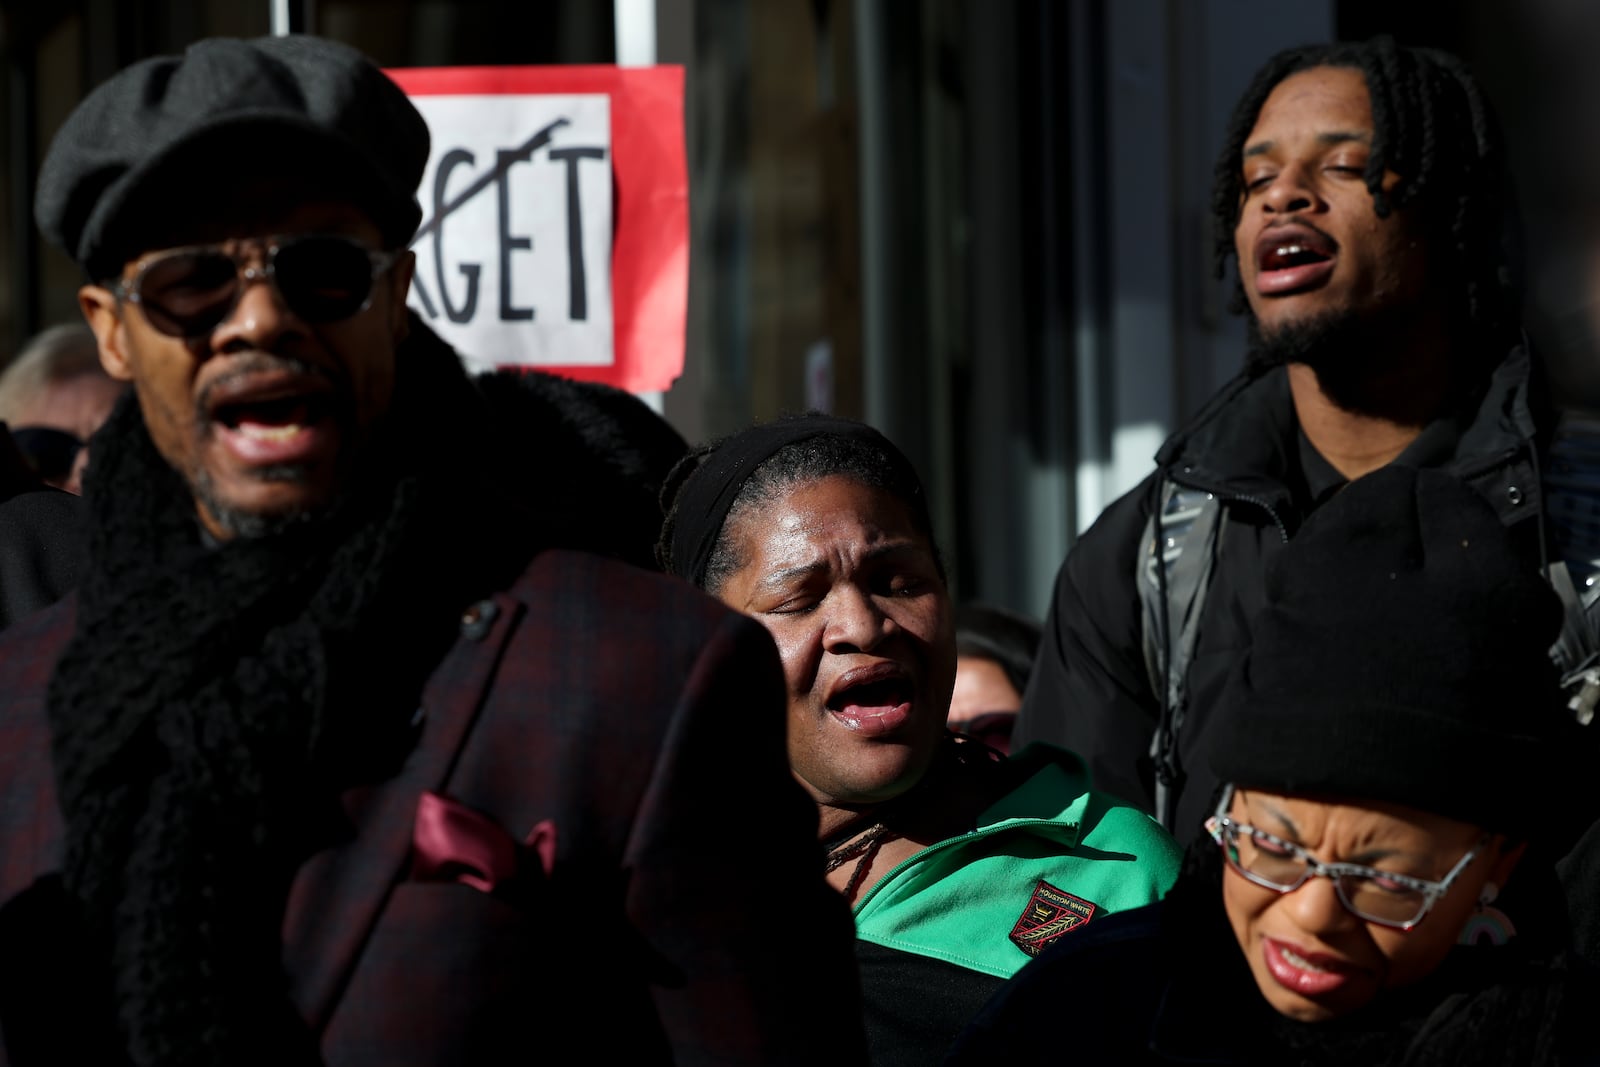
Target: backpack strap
(1181, 540)
(1577, 651)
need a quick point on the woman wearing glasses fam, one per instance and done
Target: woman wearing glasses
(1400, 761)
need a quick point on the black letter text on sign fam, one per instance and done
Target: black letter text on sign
(441, 211)
(577, 288)
(452, 159)
(508, 244)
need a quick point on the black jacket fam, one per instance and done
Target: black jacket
(1090, 691)
(1168, 984)
(42, 542)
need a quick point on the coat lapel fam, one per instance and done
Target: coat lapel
(339, 893)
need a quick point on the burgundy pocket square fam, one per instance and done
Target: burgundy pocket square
(451, 842)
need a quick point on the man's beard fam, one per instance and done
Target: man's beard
(245, 524)
(254, 524)
(1352, 352)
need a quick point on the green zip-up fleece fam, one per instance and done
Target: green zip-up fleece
(1048, 857)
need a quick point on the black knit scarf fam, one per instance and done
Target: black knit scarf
(215, 700)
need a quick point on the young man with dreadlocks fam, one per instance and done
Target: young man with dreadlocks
(336, 758)
(1362, 194)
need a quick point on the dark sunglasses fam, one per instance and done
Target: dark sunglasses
(993, 728)
(49, 451)
(188, 292)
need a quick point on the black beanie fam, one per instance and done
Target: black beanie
(1403, 656)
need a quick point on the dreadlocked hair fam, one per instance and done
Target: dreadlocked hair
(808, 460)
(1433, 127)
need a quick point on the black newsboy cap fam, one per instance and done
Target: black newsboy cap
(138, 133)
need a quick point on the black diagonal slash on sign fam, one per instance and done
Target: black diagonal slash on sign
(504, 161)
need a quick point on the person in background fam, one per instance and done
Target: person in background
(960, 865)
(42, 537)
(1362, 194)
(332, 758)
(1395, 749)
(994, 656)
(53, 396)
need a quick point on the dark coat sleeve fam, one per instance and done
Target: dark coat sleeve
(42, 550)
(1089, 691)
(727, 880)
(685, 917)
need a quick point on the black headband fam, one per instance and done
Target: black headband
(709, 493)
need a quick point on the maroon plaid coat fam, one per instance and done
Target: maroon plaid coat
(684, 918)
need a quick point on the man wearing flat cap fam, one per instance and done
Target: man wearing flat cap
(333, 758)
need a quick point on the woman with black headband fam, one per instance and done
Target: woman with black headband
(960, 865)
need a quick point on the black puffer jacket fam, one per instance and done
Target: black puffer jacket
(1090, 691)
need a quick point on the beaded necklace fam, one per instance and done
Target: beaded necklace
(859, 844)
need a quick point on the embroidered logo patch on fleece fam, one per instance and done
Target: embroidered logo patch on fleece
(1050, 913)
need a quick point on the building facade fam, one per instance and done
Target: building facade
(981, 225)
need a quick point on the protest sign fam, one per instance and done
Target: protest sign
(555, 210)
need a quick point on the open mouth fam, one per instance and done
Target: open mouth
(885, 693)
(1293, 258)
(275, 418)
(1292, 254)
(876, 704)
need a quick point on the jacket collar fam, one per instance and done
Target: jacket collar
(1242, 443)
(1055, 794)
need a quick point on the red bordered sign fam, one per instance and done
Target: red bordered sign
(523, 259)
